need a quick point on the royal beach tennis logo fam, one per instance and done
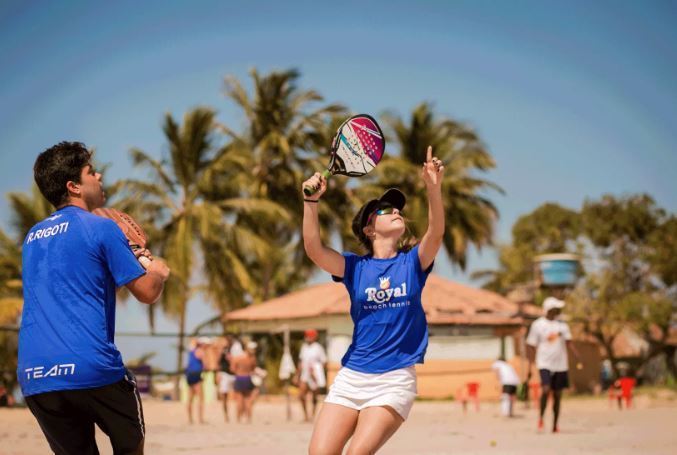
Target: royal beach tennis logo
(384, 292)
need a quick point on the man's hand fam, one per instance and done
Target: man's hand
(159, 267)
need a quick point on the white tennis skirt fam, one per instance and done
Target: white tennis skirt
(356, 390)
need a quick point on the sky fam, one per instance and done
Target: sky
(573, 99)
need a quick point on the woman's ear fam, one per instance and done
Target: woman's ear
(368, 231)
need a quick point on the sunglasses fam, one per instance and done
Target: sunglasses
(382, 211)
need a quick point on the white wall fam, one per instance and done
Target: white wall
(469, 347)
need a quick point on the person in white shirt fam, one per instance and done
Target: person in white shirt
(547, 345)
(312, 360)
(509, 381)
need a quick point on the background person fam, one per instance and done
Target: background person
(509, 380)
(547, 344)
(312, 361)
(245, 391)
(194, 370)
(225, 378)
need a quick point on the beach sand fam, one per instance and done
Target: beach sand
(588, 425)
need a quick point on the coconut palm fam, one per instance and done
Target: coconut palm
(470, 215)
(286, 132)
(189, 204)
(27, 209)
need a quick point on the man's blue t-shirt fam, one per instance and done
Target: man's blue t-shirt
(72, 263)
(390, 331)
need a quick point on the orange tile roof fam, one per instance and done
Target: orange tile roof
(444, 301)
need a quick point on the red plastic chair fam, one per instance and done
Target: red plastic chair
(473, 393)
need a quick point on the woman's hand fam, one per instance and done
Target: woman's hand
(318, 182)
(433, 170)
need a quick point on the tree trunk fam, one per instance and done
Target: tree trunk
(267, 273)
(670, 352)
(180, 347)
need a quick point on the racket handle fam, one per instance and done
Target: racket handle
(310, 190)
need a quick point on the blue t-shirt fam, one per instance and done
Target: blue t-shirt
(194, 364)
(390, 331)
(72, 263)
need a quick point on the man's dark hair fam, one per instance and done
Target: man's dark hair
(58, 165)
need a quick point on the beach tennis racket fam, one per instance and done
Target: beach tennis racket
(356, 149)
(130, 228)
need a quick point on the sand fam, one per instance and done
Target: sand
(588, 425)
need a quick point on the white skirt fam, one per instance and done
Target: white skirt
(356, 390)
(226, 382)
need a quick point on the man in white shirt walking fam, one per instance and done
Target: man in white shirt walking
(312, 360)
(509, 381)
(547, 345)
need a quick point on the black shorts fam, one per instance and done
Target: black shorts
(510, 389)
(193, 377)
(555, 380)
(67, 418)
(243, 384)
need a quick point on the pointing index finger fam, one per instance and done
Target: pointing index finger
(429, 154)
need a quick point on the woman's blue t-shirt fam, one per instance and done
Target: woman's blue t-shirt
(390, 331)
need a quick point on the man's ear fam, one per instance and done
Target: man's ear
(73, 187)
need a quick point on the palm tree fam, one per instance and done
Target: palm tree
(284, 137)
(27, 210)
(470, 216)
(189, 205)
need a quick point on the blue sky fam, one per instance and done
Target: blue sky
(574, 99)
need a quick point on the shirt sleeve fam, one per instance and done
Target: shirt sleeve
(566, 332)
(533, 338)
(117, 254)
(420, 273)
(322, 354)
(349, 270)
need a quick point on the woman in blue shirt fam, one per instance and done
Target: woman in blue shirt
(374, 390)
(194, 376)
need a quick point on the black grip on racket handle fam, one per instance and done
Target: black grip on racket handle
(310, 190)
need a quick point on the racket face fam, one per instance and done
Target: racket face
(130, 228)
(358, 146)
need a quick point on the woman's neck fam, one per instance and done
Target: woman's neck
(384, 248)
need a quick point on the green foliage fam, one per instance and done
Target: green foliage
(611, 219)
(470, 216)
(631, 284)
(631, 236)
(27, 210)
(662, 249)
(550, 228)
(285, 136)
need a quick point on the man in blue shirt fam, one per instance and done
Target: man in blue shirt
(69, 368)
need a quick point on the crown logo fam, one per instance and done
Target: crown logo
(385, 282)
